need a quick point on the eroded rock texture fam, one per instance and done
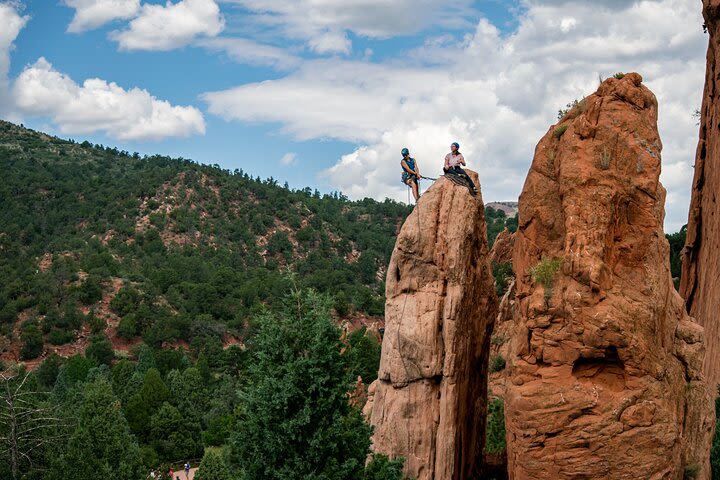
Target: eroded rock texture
(700, 280)
(604, 367)
(429, 402)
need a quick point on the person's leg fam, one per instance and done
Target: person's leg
(415, 189)
(462, 172)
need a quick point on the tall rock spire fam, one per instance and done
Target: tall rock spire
(700, 280)
(429, 402)
(604, 370)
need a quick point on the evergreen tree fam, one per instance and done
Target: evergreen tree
(100, 349)
(101, 446)
(212, 467)
(143, 405)
(297, 422)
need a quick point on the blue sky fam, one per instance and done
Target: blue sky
(336, 88)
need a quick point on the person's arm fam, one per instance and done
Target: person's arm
(447, 163)
(462, 160)
(417, 169)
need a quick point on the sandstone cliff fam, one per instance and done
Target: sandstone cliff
(700, 280)
(429, 402)
(604, 368)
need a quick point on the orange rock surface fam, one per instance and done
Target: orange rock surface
(700, 280)
(604, 377)
(429, 402)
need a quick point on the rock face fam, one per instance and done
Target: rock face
(700, 280)
(604, 369)
(429, 402)
(502, 249)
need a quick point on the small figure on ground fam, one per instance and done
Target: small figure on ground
(411, 172)
(187, 470)
(171, 473)
(453, 160)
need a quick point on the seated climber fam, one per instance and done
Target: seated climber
(411, 172)
(453, 160)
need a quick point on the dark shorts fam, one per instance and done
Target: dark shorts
(406, 177)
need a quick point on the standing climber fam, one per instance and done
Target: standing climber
(411, 172)
(453, 160)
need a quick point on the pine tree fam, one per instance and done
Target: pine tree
(212, 467)
(297, 421)
(101, 445)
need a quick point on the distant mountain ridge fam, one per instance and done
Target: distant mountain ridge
(510, 208)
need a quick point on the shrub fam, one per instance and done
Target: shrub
(382, 468)
(495, 430)
(100, 350)
(560, 130)
(48, 371)
(501, 272)
(498, 339)
(544, 273)
(61, 337)
(619, 75)
(90, 291)
(603, 158)
(32, 340)
(691, 471)
(576, 107)
(497, 363)
(128, 327)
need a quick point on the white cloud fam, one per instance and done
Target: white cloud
(91, 14)
(330, 42)
(250, 52)
(12, 23)
(288, 159)
(169, 26)
(324, 24)
(97, 105)
(497, 94)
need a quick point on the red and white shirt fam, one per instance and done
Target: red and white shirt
(454, 160)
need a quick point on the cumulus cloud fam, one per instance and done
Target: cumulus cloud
(91, 14)
(12, 23)
(495, 93)
(324, 24)
(169, 26)
(97, 105)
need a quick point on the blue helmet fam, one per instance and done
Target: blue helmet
(457, 145)
(405, 151)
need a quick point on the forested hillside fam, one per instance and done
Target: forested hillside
(166, 249)
(152, 301)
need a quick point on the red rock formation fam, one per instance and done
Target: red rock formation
(604, 369)
(700, 280)
(428, 404)
(502, 249)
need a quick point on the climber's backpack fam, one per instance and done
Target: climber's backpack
(461, 180)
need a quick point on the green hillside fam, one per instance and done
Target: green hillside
(167, 249)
